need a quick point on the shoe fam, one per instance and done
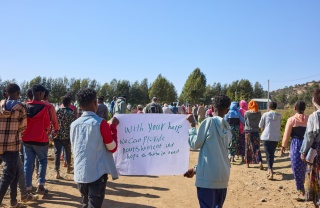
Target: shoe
(41, 190)
(29, 197)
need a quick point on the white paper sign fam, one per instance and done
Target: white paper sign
(152, 144)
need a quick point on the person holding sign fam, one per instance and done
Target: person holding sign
(93, 141)
(213, 169)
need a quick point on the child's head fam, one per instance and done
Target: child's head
(87, 99)
(140, 108)
(38, 92)
(29, 94)
(12, 91)
(46, 94)
(300, 106)
(316, 96)
(221, 104)
(66, 101)
(272, 105)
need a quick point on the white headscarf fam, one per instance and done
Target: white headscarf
(316, 128)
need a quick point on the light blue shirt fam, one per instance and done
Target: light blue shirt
(91, 158)
(212, 138)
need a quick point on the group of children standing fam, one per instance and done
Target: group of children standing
(24, 141)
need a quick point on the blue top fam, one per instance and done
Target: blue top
(234, 112)
(212, 138)
(10, 104)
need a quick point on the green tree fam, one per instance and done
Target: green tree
(245, 90)
(233, 91)
(194, 88)
(163, 90)
(258, 90)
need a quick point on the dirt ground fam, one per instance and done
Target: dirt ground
(247, 187)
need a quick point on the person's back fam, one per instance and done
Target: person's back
(252, 120)
(174, 109)
(102, 111)
(120, 106)
(201, 112)
(154, 107)
(271, 123)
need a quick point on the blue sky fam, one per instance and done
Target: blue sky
(133, 40)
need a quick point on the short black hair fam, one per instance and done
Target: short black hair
(101, 98)
(38, 88)
(86, 96)
(300, 106)
(66, 100)
(46, 92)
(273, 105)
(29, 94)
(221, 102)
(316, 95)
(12, 88)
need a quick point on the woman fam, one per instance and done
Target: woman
(241, 145)
(233, 117)
(312, 139)
(296, 127)
(270, 124)
(252, 137)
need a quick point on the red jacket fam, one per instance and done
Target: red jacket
(38, 123)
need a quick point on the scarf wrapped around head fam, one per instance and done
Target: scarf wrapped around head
(315, 130)
(253, 106)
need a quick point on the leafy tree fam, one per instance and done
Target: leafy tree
(245, 90)
(144, 89)
(59, 89)
(233, 90)
(195, 87)
(258, 90)
(163, 90)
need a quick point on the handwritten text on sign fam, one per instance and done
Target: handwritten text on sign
(152, 144)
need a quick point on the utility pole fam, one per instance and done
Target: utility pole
(268, 93)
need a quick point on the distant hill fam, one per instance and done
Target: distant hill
(289, 95)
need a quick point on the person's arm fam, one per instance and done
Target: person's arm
(262, 122)
(123, 107)
(286, 134)
(196, 139)
(54, 119)
(46, 119)
(308, 138)
(241, 117)
(109, 135)
(106, 114)
(22, 121)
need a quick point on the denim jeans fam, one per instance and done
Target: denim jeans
(93, 193)
(22, 180)
(58, 144)
(30, 152)
(10, 174)
(270, 148)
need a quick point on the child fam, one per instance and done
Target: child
(13, 122)
(213, 168)
(65, 118)
(296, 128)
(270, 124)
(234, 117)
(93, 141)
(35, 138)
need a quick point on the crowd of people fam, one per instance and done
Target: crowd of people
(222, 131)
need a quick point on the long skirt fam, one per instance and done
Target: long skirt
(253, 153)
(312, 186)
(233, 145)
(298, 166)
(241, 145)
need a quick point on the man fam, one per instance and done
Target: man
(166, 109)
(154, 107)
(112, 105)
(102, 111)
(120, 105)
(35, 138)
(13, 122)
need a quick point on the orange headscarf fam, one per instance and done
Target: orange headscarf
(253, 106)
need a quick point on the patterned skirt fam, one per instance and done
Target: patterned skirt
(253, 154)
(298, 166)
(241, 145)
(312, 186)
(233, 145)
